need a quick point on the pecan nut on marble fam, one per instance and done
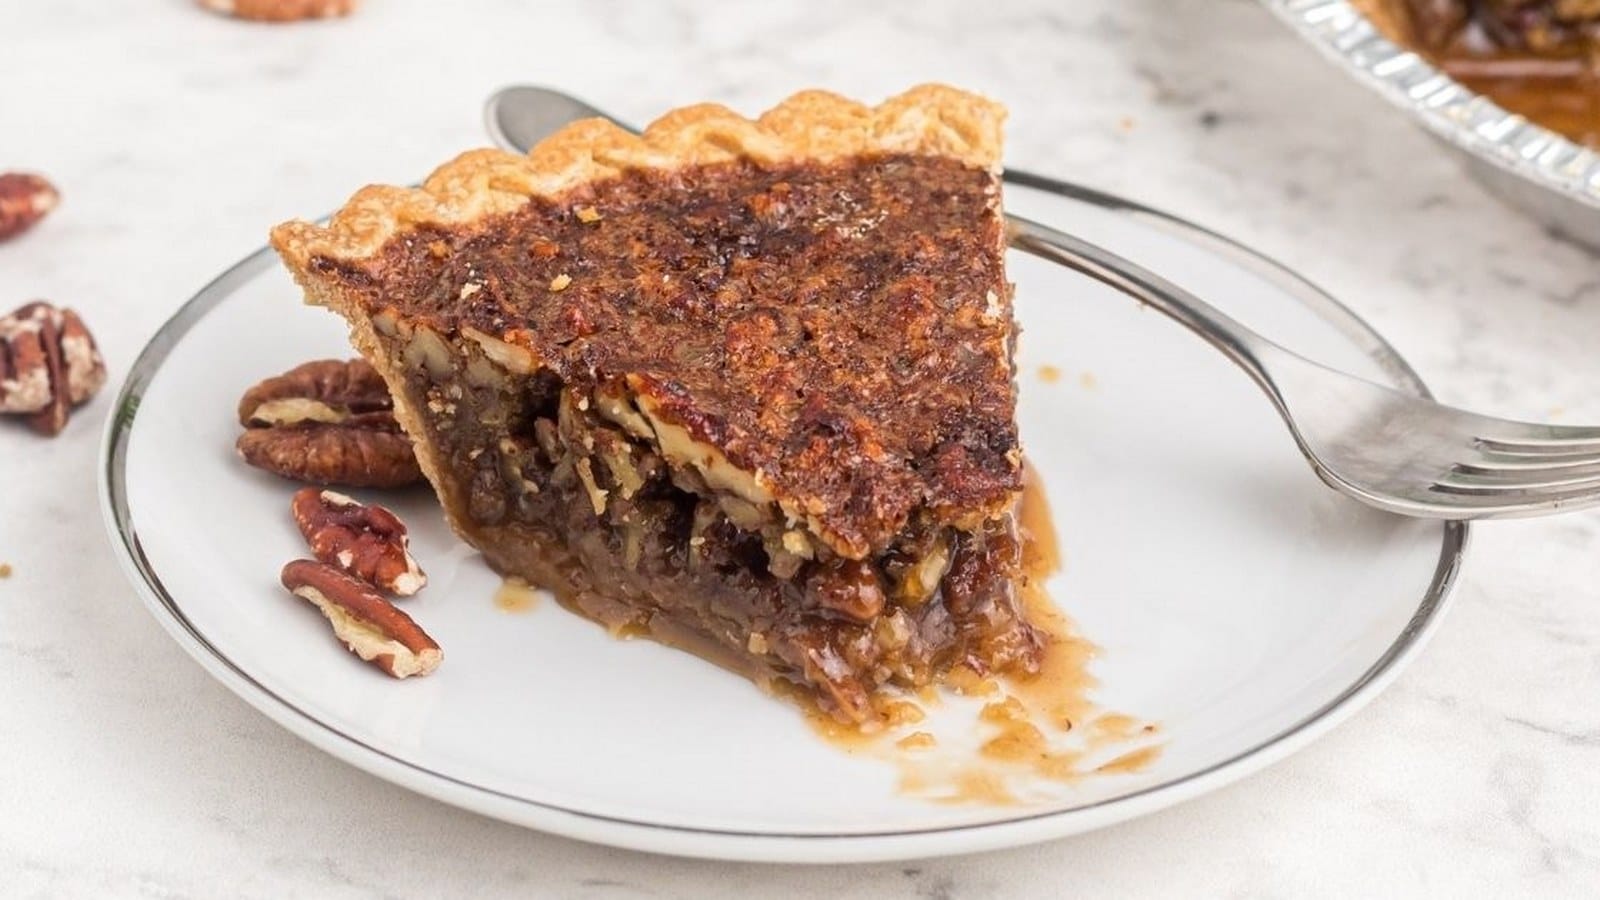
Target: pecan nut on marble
(363, 619)
(369, 542)
(24, 200)
(327, 422)
(281, 10)
(48, 364)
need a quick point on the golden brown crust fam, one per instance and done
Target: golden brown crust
(930, 119)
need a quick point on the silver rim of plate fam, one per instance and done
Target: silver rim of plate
(644, 834)
(1450, 111)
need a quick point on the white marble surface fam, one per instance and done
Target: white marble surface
(178, 137)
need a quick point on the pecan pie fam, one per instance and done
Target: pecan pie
(741, 386)
(1538, 58)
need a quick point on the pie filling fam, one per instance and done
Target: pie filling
(763, 413)
(560, 492)
(1539, 58)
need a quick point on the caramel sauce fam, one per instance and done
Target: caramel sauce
(1028, 733)
(958, 787)
(1132, 761)
(891, 714)
(1059, 691)
(968, 683)
(1115, 725)
(1041, 550)
(1087, 381)
(1049, 374)
(1020, 741)
(515, 596)
(976, 786)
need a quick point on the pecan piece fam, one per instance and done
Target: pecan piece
(325, 390)
(281, 10)
(48, 364)
(849, 587)
(24, 200)
(327, 422)
(368, 542)
(363, 619)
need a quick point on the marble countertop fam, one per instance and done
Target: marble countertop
(177, 137)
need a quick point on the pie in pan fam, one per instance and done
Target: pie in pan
(1536, 58)
(741, 386)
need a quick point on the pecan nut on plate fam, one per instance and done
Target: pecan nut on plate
(369, 542)
(328, 422)
(363, 619)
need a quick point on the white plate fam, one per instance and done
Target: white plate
(1236, 600)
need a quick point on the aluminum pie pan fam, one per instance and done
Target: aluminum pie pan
(1529, 166)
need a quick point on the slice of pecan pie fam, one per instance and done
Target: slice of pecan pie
(741, 386)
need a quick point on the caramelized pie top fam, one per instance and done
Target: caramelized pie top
(812, 305)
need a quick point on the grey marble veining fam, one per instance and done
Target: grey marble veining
(177, 137)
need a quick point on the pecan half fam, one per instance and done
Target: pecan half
(48, 364)
(367, 623)
(24, 200)
(368, 542)
(281, 10)
(327, 422)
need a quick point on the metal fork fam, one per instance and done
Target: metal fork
(1394, 451)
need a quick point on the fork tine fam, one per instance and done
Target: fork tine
(1536, 451)
(1543, 439)
(1531, 466)
(1459, 482)
(1513, 505)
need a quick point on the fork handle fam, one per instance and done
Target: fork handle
(1242, 345)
